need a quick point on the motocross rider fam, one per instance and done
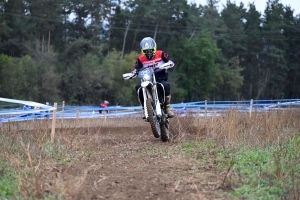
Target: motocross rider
(151, 56)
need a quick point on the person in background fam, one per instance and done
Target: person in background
(26, 107)
(103, 105)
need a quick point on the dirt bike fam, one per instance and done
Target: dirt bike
(151, 96)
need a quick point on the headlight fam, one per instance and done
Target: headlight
(146, 77)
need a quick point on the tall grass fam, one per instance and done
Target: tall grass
(235, 128)
(260, 155)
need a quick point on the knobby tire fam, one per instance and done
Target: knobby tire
(164, 128)
(152, 118)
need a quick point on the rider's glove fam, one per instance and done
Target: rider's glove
(167, 65)
(130, 75)
(133, 74)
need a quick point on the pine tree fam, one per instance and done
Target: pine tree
(254, 42)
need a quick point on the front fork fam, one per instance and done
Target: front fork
(157, 103)
(154, 95)
(145, 105)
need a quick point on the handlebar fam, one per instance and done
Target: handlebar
(127, 76)
(167, 65)
(164, 66)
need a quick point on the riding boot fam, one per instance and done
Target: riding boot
(168, 107)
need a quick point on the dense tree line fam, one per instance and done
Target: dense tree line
(77, 50)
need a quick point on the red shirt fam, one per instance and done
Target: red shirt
(103, 105)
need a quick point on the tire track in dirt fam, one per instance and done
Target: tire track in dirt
(129, 163)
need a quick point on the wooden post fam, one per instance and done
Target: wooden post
(62, 112)
(251, 103)
(53, 123)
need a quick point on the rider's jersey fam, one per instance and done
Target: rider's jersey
(159, 59)
(103, 105)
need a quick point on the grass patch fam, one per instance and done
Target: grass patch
(271, 172)
(8, 182)
(267, 173)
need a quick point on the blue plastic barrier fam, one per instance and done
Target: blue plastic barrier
(46, 111)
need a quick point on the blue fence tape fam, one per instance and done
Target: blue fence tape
(121, 111)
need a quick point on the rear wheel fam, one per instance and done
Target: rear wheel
(155, 126)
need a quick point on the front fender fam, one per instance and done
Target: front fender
(146, 84)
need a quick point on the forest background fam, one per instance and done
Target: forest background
(77, 50)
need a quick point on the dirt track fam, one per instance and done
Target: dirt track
(119, 162)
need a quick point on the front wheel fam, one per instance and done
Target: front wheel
(154, 123)
(164, 127)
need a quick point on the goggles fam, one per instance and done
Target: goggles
(148, 51)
